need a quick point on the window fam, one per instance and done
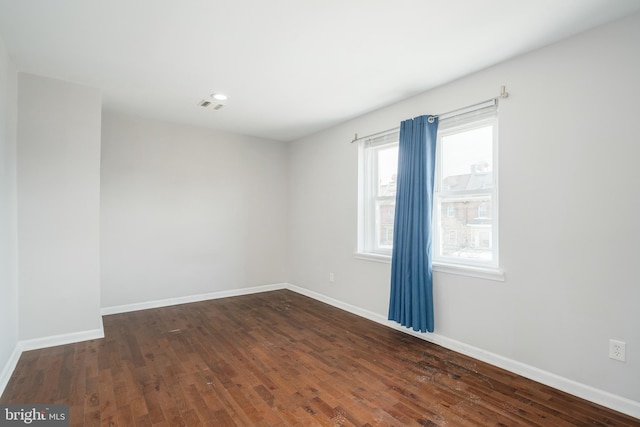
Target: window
(451, 211)
(465, 228)
(379, 164)
(453, 237)
(466, 181)
(482, 210)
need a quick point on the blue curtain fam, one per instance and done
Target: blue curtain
(411, 302)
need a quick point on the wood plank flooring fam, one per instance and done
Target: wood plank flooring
(280, 359)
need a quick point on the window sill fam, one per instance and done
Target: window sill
(470, 271)
(386, 259)
(460, 270)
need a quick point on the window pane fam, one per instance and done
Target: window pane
(467, 160)
(385, 201)
(378, 164)
(387, 164)
(468, 233)
(384, 223)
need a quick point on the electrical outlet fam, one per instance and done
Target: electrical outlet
(332, 277)
(617, 350)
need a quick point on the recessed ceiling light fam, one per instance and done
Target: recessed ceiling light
(219, 96)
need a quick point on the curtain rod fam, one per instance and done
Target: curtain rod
(503, 94)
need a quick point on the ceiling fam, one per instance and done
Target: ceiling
(289, 67)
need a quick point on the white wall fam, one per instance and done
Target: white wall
(8, 215)
(188, 211)
(569, 205)
(58, 208)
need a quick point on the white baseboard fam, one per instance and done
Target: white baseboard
(600, 397)
(9, 367)
(190, 298)
(63, 339)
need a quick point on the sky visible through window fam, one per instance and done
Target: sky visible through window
(387, 165)
(464, 149)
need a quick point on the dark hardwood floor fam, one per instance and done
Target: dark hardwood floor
(280, 359)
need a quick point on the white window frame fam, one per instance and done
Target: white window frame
(482, 116)
(368, 215)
